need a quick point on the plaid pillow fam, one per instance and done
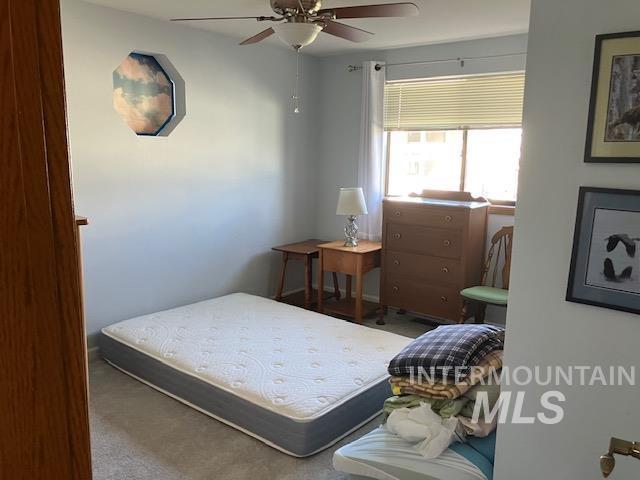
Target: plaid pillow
(448, 350)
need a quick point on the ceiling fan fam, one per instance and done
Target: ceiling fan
(298, 22)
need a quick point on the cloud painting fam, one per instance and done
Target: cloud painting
(143, 94)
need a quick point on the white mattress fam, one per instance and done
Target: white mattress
(298, 364)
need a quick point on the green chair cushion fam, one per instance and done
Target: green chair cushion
(495, 296)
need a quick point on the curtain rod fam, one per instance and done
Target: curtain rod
(461, 60)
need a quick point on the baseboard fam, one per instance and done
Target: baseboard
(289, 292)
(368, 298)
(343, 292)
(93, 354)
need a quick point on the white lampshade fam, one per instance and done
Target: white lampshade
(297, 35)
(351, 202)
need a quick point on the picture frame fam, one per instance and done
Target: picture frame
(605, 260)
(613, 127)
(144, 94)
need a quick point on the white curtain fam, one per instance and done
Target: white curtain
(371, 159)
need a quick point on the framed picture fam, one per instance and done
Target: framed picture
(613, 131)
(605, 263)
(143, 94)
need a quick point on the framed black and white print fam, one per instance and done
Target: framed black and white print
(613, 130)
(605, 263)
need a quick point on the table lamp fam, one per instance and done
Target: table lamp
(351, 203)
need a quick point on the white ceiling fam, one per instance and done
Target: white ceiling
(439, 20)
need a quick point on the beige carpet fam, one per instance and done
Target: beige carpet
(141, 434)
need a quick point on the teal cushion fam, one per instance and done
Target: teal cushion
(495, 296)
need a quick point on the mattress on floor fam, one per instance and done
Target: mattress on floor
(382, 455)
(295, 379)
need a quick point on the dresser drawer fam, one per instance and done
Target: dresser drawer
(416, 214)
(438, 301)
(430, 269)
(437, 242)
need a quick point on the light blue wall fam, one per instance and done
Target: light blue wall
(192, 215)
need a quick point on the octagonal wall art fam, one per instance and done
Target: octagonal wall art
(143, 94)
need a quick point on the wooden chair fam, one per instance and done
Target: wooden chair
(490, 294)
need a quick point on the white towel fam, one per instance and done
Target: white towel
(421, 425)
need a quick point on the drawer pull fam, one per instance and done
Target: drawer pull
(397, 236)
(398, 213)
(396, 262)
(445, 270)
(448, 218)
(444, 299)
(447, 243)
(396, 288)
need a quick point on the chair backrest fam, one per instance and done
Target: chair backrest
(500, 244)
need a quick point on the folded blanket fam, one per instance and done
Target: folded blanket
(448, 350)
(444, 408)
(401, 401)
(491, 389)
(462, 406)
(444, 389)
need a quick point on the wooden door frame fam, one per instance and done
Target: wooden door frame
(44, 427)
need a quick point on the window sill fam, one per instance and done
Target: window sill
(502, 210)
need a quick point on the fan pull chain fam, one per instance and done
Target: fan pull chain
(296, 97)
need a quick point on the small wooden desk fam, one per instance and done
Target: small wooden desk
(305, 251)
(352, 261)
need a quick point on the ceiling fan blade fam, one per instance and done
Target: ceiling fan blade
(345, 31)
(405, 9)
(259, 37)
(260, 19)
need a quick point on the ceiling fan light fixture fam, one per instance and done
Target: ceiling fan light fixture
(297, 35)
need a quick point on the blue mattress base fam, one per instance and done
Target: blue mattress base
(299, 439)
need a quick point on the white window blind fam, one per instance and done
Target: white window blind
(455, 102)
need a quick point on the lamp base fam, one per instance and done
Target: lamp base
(351, 242)
(351, 232)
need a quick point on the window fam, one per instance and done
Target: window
(425, 165)
(414, 137)
(460, 134)
(481, 161)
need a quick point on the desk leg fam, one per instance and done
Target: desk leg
(359, 288)
(348, 288)
(336, 286)
(285, 259)
(308, 275)
(320, 283)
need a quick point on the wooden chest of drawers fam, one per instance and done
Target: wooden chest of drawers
(431, 249)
